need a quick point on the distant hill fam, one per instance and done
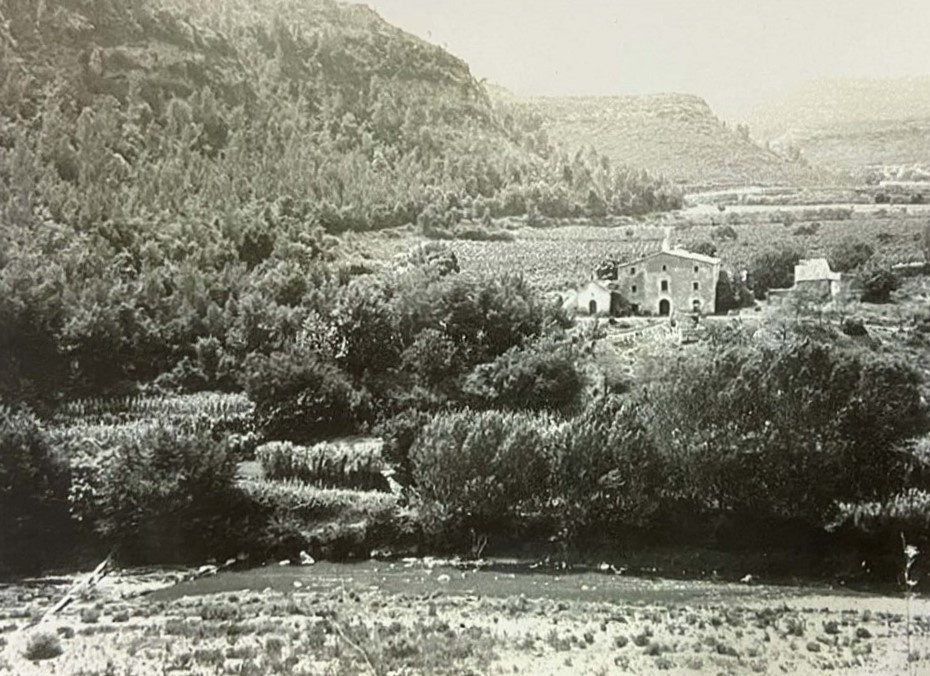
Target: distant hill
(851, 124)
(676, 135)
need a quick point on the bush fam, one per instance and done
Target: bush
(327, 464)
(166, 495)
(43, 645)
(608, 474)
(480, 470)
(878, 284)
(35, 526)
(298, 398)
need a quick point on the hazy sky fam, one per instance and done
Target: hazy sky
(732, 52)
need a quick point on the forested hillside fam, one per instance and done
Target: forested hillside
(675, 135)
(172, 172)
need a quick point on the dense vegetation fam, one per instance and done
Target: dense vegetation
(170, 174)
(180, 189)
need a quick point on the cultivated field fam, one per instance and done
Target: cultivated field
(558, 257)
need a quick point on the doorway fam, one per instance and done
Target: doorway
(592, 307)
(665, 307)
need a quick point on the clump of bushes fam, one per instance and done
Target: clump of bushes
(878, 283)
(35, 526)
(480, 470)
(807, 229)
(742, 432)
(164, 495)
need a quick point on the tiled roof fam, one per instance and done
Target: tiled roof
(679, 253)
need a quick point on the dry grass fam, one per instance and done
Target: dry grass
(344, 625)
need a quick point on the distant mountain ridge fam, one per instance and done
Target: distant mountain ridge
(676, 135)
(850, 124)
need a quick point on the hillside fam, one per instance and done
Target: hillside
(852, 124)
(179, 179)
(675, 135)
(319, 102)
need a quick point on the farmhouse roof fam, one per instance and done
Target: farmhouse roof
(680, 253)
(814, 270)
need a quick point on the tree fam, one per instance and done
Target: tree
(544, 376)
(773, 269)
(850, 254)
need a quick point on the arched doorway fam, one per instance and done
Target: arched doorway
(592, 307)
(665, 307)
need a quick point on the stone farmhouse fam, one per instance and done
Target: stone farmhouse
(663, 283)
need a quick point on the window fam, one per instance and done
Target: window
(695, 269)
(665, 285)
(633, 289)
(632, 271)
(697, 286)
(664, 268)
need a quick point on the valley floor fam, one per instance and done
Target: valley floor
(423, 616)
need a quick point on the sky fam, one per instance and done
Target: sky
(734, 53)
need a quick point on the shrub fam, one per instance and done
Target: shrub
(167, 495)
(480, 470)
(607, 472)
(299, 398)
(43, 645)
(327, 464)
(35, 525)
(878, 283)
